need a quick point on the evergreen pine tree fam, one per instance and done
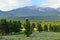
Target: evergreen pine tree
(50, 28)
(39, 27)
(32, 26)
(4, 27)
(28, 28)
(45, 27)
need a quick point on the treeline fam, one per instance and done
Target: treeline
(9, 27)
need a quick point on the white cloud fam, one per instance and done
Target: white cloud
(12, 4)
(51, 3)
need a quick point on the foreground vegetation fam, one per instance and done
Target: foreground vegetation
(35, 36)
(13, 27)
(32, 30)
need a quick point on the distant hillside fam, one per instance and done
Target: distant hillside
(33, 13)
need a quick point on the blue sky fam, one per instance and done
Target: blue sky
(6, 5)
(37, 2)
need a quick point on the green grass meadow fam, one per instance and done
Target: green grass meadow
(35, 36)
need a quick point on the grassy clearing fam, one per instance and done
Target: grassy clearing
(34, 36)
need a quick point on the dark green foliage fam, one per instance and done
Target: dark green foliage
(33, 26)
(39, 27)
(10, 24)
(56, 28)
(50, 28)
(45, 27)
(16, 26)
(27, 26)
(9, 27)
(4, 27)
(19, 26)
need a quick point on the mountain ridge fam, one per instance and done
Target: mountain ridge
(31, 11)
